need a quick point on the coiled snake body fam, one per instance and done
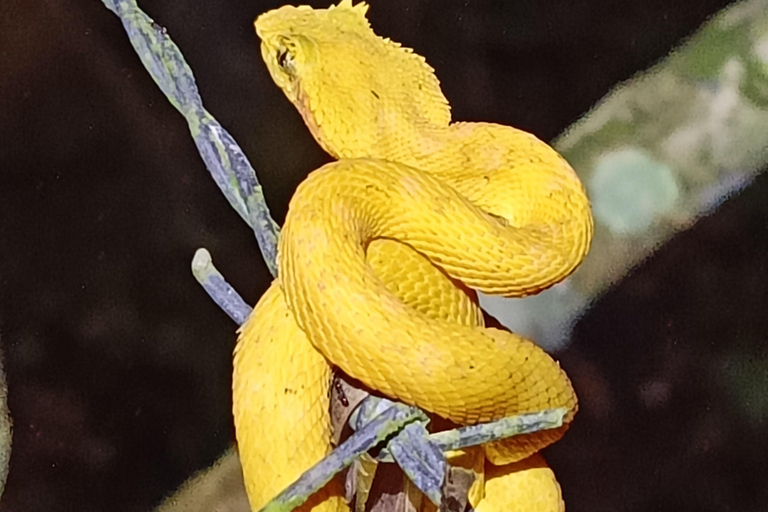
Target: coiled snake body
(380, 254)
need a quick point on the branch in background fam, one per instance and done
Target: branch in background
(656, 154)
(219, 487)
(6, 428)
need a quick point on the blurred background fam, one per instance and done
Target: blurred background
(118, 364)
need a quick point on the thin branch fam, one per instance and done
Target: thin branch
(227, 163)
(222, 293)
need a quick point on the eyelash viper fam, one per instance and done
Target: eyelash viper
(380, 254)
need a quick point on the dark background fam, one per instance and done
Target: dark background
(119, 365)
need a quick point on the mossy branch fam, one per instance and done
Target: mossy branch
(657, 153)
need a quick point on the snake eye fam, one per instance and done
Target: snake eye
(285, 59)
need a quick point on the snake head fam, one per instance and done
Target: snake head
(293, 40)
(356, 91)
(288, 58)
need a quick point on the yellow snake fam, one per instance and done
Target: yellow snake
(380, 254)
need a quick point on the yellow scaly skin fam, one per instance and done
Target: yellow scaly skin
(489, 206)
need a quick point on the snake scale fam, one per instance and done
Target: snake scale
(380, 257)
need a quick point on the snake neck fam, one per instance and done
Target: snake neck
(383, 135)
